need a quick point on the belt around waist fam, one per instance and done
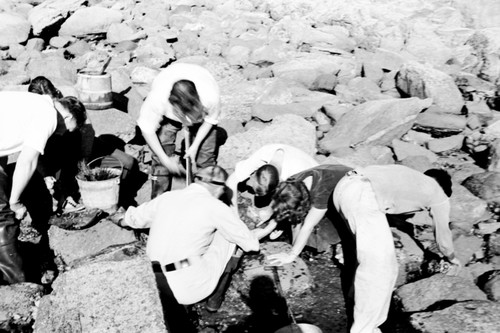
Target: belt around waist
(175, 265)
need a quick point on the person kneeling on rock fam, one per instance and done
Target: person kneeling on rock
(191, 239)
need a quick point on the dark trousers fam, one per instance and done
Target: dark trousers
(348, 242)
(167, 134)
(175, 314)
(215, 300)
(38, 201)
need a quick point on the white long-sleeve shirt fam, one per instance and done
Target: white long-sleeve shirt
(156, 106)
(188, 223)
(402, 190)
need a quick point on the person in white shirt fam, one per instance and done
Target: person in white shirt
(26, 122)
(191, 239)
(363, 197)
(259, 174)
(182, 94)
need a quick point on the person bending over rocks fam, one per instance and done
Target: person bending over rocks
(363, 197)
(27, 121)
(181, 95)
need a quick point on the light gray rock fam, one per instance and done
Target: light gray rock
(445, 144)
(306, 67)
(418, 80)
(466, 247)
(440, 122)
(14, 29)
(102, 297)
(76, 245)
(119, 32)
(374, 122)
(113, 121)
(485, 43)
(143, 75)
(361, 156)
(50, 12)
(420, 295)
(78, 24)
(289, 129)
(54, 67)
(359, 90)
(404, 149)
(471, 316)
(17, 306)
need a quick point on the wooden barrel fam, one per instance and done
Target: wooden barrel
(94, 90)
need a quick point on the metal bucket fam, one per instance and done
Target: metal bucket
(94, 90)
(102, 194)
(299, 328)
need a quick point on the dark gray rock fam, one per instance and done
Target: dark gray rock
(422, 294)
(485, 185)
(472, 316)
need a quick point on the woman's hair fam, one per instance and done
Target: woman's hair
(291, 202)
(443, 179)
(76, 108)
(267, 178)
(185, 97)
(42, 86)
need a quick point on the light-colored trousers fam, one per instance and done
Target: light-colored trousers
(376, 274)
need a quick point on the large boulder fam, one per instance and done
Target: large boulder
(485, 185)
(422, 294)
(78, 24)
(418, 80)
(14, 29)
(73, 246)
(466, 209)
(374, 122)
(51, 12)
(117, 296)
(470, 316)
(18, 306)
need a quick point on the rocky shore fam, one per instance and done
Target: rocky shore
(413, 82)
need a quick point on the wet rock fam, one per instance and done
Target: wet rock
(439, 288)
(18, 306)
(418, 80)
(294, 277)
(470, 316)
(102, 297)
(374, 122)
(76, 245)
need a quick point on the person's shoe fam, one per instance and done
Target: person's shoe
(71, 206)
(213, 304)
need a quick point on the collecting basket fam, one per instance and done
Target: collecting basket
(102, 194)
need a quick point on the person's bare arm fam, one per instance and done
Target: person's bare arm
(313, 217)
(25, 167)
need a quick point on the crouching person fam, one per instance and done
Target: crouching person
(191, 239)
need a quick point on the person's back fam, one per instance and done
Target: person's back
(400, 189)
(25, 119)
(293, 160)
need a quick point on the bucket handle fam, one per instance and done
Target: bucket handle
(102, 157)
